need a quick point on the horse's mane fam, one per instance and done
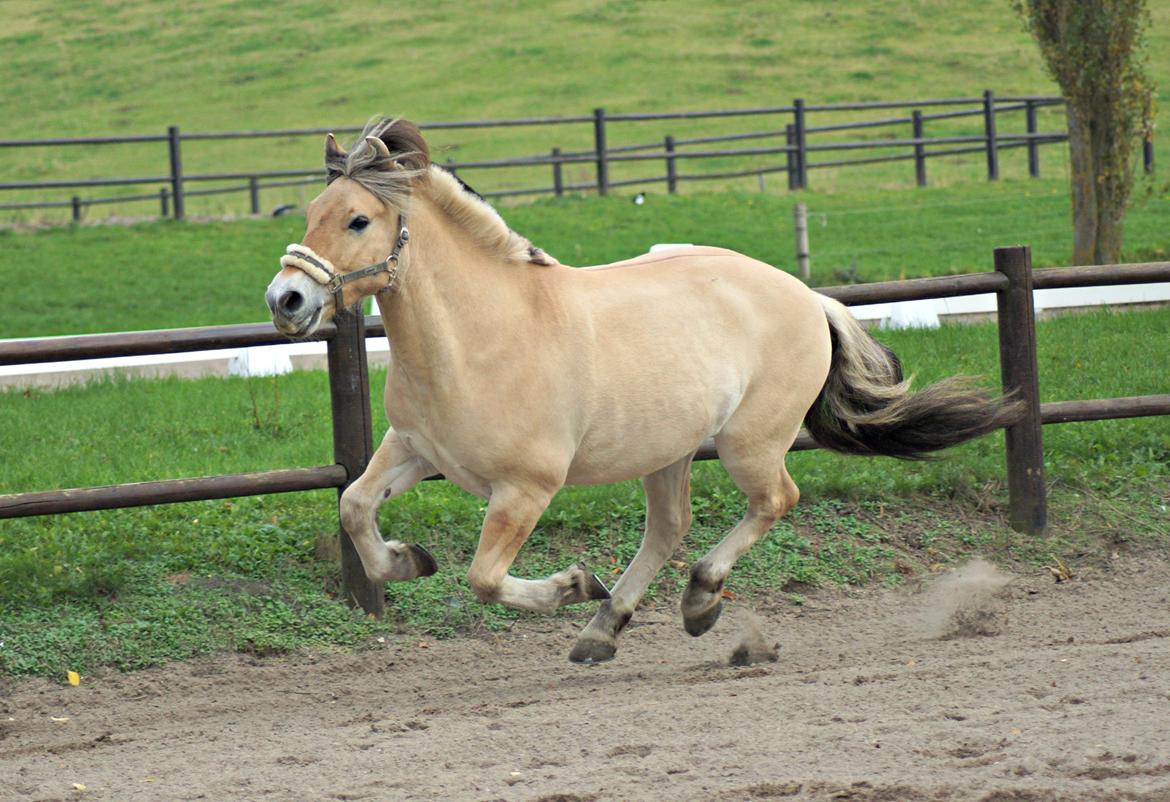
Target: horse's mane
(409, 151)
(472, 213)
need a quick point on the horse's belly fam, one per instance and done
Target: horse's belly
(649, 432)
(446, 463)
(597, 466)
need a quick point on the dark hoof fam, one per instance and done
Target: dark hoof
(423, 560)
(588, 652)
(595, 589)
(700, 624)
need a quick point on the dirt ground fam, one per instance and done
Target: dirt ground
(971, 688)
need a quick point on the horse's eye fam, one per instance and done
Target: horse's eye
(359, 223)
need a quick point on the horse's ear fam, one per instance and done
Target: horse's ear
(403, 139)
(379, 147)
(332, 149)
(334, 158)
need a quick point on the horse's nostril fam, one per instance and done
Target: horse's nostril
(291, 301)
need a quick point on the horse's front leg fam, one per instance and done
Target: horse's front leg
(511, 515)
(394, 469)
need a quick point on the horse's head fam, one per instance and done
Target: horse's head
(356, 229)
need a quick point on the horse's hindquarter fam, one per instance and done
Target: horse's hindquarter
(677, 341)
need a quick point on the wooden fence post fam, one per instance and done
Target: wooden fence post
(798, 136)
(671, 169)
(349, 390)
(919, 148)
(174, 142)
(1033, 146)
(558, 173)
(989, 134)
(1028, 506)
(75, 202)
(254, 194)
(164, 203)
(1148, 154)
(790, 157)
(800, 215)
(599, 148)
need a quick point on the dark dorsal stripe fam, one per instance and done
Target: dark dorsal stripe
(464, 184)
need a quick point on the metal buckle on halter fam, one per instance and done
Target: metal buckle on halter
(399, 244)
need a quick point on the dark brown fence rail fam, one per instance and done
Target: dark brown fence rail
(1012, 281)
(793, 146)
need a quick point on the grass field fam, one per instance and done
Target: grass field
(209, 273)
(129, 588)
(76, 68)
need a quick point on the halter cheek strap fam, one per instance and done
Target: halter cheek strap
(322, 271)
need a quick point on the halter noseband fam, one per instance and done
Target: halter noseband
(322, 271)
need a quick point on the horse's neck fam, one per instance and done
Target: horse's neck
(453, 295)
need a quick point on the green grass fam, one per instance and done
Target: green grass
(129, 588)
(166, 274)
(75, 68)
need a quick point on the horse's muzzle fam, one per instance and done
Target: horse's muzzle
(296, 305)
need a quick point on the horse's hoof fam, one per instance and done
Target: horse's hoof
(590, 651)
(423, 561)
(699, 624)
(595, 589)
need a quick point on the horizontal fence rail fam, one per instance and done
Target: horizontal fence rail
(144, 343)
(1013, 282)
(169, 491)
(797, 144)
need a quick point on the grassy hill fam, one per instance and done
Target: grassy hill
(79, 68)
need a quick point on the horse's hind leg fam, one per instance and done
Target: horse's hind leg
(761, 475)
(668, 517)
(393, 469)
(511, 515)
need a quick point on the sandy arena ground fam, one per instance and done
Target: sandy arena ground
(969, 689)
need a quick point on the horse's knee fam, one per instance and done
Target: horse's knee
(486, 588)
(354, 509)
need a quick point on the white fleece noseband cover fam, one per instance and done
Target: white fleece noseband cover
(304, 258)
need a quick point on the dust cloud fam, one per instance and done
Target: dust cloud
(752, 647)
(966, 603)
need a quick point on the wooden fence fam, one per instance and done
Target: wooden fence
(794, 142)
(1012, 280)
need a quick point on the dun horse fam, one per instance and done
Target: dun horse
(513, 375)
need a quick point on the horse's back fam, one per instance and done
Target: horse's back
(695, 265)
(695, 294)
(676, 340)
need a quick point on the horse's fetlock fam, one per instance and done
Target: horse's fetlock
(622, 620)
(704, 579)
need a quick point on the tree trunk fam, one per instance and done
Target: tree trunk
(1109, 232)
(1084, 188)
(1109, 171)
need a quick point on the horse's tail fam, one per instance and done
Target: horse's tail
(866, 406)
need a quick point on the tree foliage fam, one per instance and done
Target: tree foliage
(1093, 50)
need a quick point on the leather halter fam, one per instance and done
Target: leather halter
(322, 271)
